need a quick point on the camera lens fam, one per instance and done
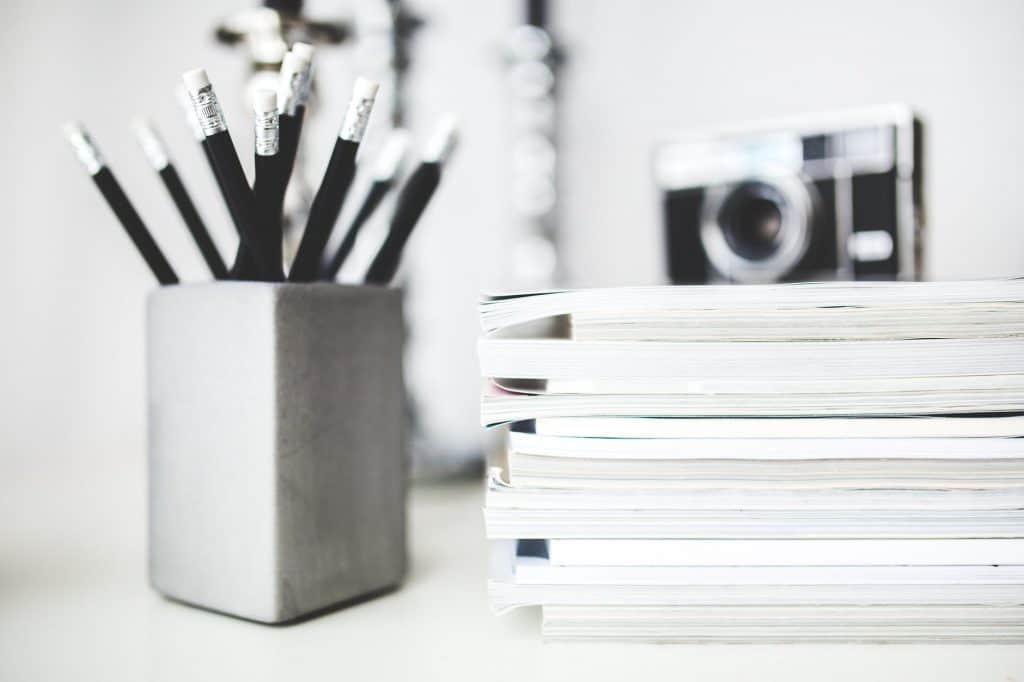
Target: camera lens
(758, 229)
(751, 219)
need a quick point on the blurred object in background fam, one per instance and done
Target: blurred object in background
(532, 76)
(385, 30)
(294, 27)
(834, 196)
(533, 60)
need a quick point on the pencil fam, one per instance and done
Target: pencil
(268, 177)
(293, 93)
(227, 167)
(383, 174)
(156, 152)
(241, 263)
(331, 195)
(412, 201)
(293, 88)
(197, 130)
(243, 266)
(185, 102)
(119, 203)
(265, 189)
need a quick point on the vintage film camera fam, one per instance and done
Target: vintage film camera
(822, 197)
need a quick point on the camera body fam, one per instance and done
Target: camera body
(823, 197)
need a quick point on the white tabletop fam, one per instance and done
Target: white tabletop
(74, 604)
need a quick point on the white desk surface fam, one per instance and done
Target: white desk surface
(74, 604)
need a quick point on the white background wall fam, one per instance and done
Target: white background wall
(73, 290)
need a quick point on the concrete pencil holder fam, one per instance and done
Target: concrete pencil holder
(277, 468)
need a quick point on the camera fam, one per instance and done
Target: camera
(823, 197)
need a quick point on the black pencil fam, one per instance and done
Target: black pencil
(266, 188)
(330, 197)
(197, 131)
(412, 201)
(383, 174)
(293, 93)
(156, 152)
(243, 266)
(119, 203)
(268, 177)
(228, 168)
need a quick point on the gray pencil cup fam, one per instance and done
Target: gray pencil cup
(277, 467)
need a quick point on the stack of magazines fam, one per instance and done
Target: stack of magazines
(797, 462)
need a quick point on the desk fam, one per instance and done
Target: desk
(74, 604)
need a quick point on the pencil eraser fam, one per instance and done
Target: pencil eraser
(303, 52)
(291, 64)
(195, 80)
(289, 83)
(73, 130)
(365, 88)
(264, 101)
(143, 129)
(439, 146)
(357, 116)
(83, 146)
(152, 146)
(386, 165)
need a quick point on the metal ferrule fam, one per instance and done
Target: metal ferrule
(267, 133)
(288, 93)
(356, 119)
(190, 113)
(303, 86)
(208, 111)
(86, 151)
